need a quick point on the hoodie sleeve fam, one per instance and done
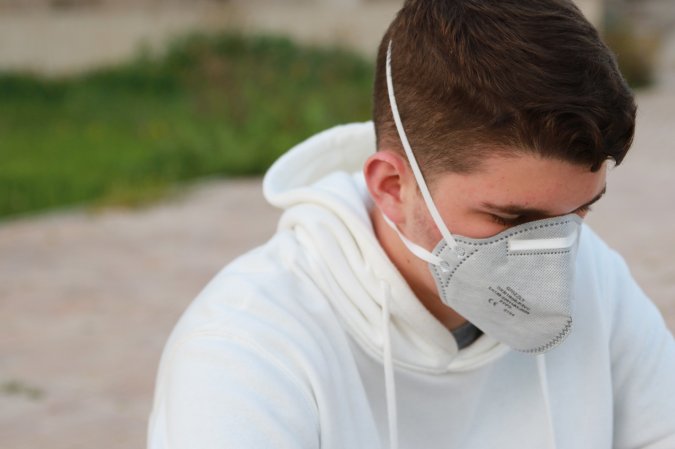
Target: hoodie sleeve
(643, 367)
(222, 391)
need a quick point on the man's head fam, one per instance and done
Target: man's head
(477, 78)
(511, 109)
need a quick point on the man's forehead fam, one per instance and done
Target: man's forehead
(526, 183)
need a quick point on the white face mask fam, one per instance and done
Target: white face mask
(515, 286)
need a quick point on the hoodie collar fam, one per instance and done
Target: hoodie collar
(320, 186)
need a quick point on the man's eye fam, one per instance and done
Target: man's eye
(514, 221)
(505, 221)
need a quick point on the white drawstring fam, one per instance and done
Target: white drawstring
(543, 382)
(388, 362)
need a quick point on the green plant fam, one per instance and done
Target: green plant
(221, 105)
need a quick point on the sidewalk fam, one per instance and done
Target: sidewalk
(87, 303)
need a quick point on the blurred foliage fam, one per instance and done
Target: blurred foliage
(222, 105)
(636, 52)
(18, 388)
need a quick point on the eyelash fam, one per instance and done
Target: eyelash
(501, 221)
(518, 220)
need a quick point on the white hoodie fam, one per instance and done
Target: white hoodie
(294, 344)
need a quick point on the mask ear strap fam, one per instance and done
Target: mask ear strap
(449, 239)
(414, 247)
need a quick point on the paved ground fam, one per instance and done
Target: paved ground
(87, 300)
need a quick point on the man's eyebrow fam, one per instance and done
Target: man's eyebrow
(516, 210)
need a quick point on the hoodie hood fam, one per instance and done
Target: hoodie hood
(319, 184)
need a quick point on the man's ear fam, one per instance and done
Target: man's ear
(387, 176)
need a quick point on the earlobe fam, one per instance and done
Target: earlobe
(385, 174)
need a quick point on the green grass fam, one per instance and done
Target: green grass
(210, 106)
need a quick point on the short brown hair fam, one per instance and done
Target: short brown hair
(475, 77)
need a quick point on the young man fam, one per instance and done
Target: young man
(442, 291)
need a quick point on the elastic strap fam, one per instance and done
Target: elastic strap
(414, 247)
(449, 239)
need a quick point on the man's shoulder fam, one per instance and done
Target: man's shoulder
(607, 293)
(597, 262)
(259, 296)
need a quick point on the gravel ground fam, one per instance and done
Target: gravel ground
(87, 300)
